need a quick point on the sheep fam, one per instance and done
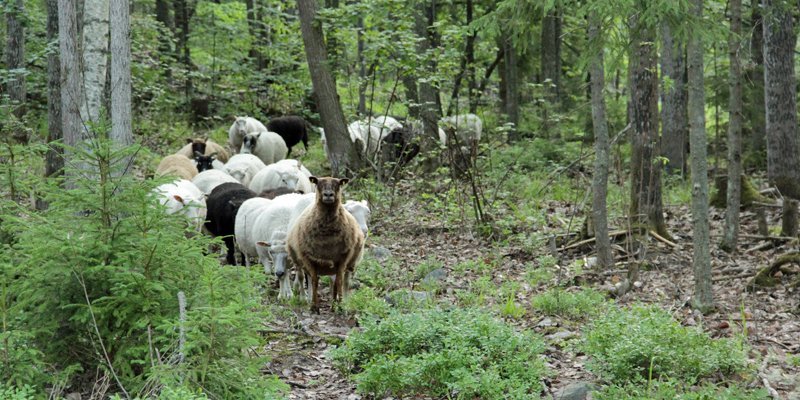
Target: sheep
(183, 197)
(468, 128)
(223, 204)
(244, 167)
(266, 145)
(326, 240)
(285, 173)
(265, 232)
(205, 163)
(240, 128)
(177, 165)
(400, 146)
(385, 122)
(244, 222)
(207, 180)
(367, 137)
(292, 129)
(204, 147)
(273, 193)
(418, 129)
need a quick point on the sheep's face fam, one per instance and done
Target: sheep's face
(203, 162)
(289, 180)
(273, 256)
(361, 212)
(328, 189)
(239, 174)
(240, 125)
(249, 143)
(198, 145)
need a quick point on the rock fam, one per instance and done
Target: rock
(575, 391)
(435, 276)
(545, 323)
(400, 297)
(380, 253)
(561, 336)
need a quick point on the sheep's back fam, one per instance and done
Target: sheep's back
(223, 204)
(177, 165)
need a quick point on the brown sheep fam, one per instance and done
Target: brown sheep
(205, 147)
(177, 165)
(326, 240)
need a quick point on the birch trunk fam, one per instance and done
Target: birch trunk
(121, 130)
(95, 56)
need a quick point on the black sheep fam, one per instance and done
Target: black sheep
(292, 129)
(223, 203)
(399, 146)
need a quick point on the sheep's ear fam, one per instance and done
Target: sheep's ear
(263, 244)
(178, 198)
(344, 181)
(189, 140)
(258, 135)
(313, 179)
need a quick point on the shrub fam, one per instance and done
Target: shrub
(569, 304)
(16, 393)
(461, 354)
(672, 390)
(647, 343)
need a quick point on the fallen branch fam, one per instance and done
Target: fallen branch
(591, 239)
(662, 239)
(762, 246)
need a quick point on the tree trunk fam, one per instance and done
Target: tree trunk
(783, 163)
(95, 56)
(473, 103)
(731, 235)
(182, 17)
(605, 258)
(674, 117)
(646, 202)
(754, 101)
(162, 14)
(466, 70)
(54, 162)
(701, 259)
(15, 61)
(429, 108)
(253, 30)
(121, 131)
(511, 92)
(343, 155)
(409, 79)
(362, 70)
(789, 219)
(551, 54)
(70, 57)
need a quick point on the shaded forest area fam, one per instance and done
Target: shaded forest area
(561, 199)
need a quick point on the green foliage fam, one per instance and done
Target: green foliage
(365, 302)
(96, 277)
(16, 393)
(645, 342)
(462, 354)
(675, 390)
(581, 304)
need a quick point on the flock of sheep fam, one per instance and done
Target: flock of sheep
(271, 208)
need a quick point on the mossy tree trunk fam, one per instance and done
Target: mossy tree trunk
(674, 117)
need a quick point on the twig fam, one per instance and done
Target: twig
(762, 246)
(772, 392)
(591, 239)
(100, 338)
(662, 239)
(762, 237)
(182, 326)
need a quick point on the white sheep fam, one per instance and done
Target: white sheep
(183, 197)
(207, 180)
(368, 137)
(289, 173)
(241, 127)
(177, 165)
(266, 145)
(468, 127)
(386, 122)
(244, 167)
(244, 224)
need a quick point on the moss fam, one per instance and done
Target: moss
(749, 194)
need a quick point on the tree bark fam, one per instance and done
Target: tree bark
(343, 155)
(466, 70)
(731, 234)
(362, 69)
(701, 259)
(182, 17)
(70, 60)
(511, 92)
(473, 103)
(646, 202)
(429, 110)
(162, 14)
(95, 56)
(754, 102)
(15, 61)
(551, 54)
(121, 130)
(783, 163)
(674, 117)
(54, 162)
(605, 258)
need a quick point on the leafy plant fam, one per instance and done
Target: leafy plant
(645, 342)
(674, 390)
(585, 302)
(461, 354)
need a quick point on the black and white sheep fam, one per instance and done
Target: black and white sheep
(292, 129)
(205, 147)
(240, 128)
(266, 145)
(177, 165)
(326, 240)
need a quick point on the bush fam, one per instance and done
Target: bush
(463, 354)
(568, 304)
(95, 280)
(647, 343)
(672, 390)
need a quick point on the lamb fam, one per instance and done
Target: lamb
(204, 147)
(177, 165)
(244, 167)
(468, 128)
(266, 145)
(326, 240)
(292, 129)
(183, 197)
(207, 180)
(283, 174)
(261, 229)
(223, 205)
(240, 128)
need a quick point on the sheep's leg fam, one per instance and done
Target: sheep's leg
(230, 257)
(314, 291)
(338, 285)
(285, 291)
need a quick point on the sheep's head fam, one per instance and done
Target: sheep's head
(249, 143)
(289, 179)
(198, 145)
(274, 257)
(240, 125)
(329, 190)
(204, 162)
(361, 212)
(240, 174)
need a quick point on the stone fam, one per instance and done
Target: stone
(575, 391)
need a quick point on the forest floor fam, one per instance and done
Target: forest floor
(298, 340)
